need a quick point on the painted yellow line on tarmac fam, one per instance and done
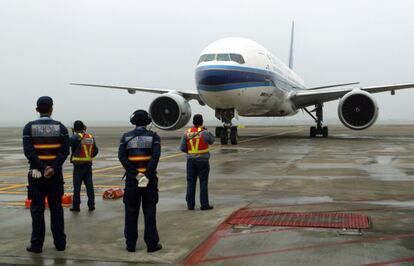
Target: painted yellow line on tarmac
(108, 186)
(5, 190)
(12, 203)
(107, 169)
(12, 187)
(13, 192)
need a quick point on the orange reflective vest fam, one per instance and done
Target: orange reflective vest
(195, 141)
(84, 152)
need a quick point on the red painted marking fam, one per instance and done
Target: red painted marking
(293, 249)
(201, 251)
(411, 259)
(300, 219)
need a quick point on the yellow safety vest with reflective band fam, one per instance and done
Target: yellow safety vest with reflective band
(195, 141)
(86, 149)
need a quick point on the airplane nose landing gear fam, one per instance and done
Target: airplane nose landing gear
(227, 131)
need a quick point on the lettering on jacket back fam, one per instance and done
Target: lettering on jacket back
(140, 142)
(45, 130)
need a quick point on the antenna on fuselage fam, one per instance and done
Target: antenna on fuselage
(292, 34)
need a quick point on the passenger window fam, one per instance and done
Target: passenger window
(237, 58)
(223, 57)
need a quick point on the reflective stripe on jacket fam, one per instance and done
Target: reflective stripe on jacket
(139, 150)
(195, 141)
(84, 152)
(46, 140)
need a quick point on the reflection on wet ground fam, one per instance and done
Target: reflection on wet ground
(369, 172)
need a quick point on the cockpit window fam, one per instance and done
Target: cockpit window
(201, 59)
(223, 57)
(237, 58)
(209, 57)
(206, 58)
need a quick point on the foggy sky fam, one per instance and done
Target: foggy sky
(45, 45)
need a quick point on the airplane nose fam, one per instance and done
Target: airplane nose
(212, 77)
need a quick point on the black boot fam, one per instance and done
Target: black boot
(33, 250)
(154, 248)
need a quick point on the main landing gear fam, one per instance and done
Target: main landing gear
(227, 131)
(319, 130)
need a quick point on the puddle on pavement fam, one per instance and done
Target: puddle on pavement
(302, 200)
(409, 203)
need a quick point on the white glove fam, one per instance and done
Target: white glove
(142, 180)
(35, 173)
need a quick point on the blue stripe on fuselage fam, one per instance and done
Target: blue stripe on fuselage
(233, 86)
(223, 77)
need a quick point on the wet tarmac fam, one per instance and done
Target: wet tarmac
(368, 172)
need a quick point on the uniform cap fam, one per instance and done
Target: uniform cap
(44, 101)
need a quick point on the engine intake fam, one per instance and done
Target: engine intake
(170, 111)
(358, 110)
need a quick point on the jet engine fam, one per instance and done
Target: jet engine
(358, 110)
(170, 111)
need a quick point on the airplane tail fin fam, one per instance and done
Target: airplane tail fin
(292, 34)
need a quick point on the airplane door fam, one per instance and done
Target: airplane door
(264, 61)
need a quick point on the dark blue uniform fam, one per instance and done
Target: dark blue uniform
(139, 151)
(82, 172)
(46, 143)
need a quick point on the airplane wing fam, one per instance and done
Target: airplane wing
(304, 98)
(334, 85)
(188, 95)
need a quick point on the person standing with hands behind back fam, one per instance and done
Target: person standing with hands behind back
(195, 142)
(84, 149)
(139, 153)
(46, 146)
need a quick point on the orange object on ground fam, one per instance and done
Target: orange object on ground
(66, 200)
(28, 202)
(113, 193)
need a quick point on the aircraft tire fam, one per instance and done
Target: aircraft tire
(233, 135)
(312, 133)
(219, 131)
(224, 137)
(325, 132)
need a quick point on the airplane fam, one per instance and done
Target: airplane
(237, 76)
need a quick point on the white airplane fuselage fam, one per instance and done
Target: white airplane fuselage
(255, 83)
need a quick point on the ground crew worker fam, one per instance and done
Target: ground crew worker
(139, 153)
(46, 146)
(83, 150)
(195, 142)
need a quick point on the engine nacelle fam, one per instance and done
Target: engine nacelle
(358, 110)
(170, 111)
